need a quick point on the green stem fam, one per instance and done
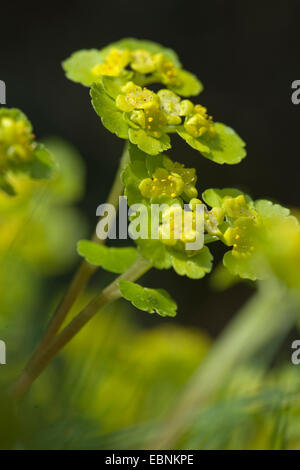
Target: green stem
(82, 274)
(269, 313)
(109, 294)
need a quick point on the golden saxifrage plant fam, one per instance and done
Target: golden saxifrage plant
(120, 78)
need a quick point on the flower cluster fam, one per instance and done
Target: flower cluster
(145, 62)
(158, 67)
(173, 179)
(162, 112)
(120, 75)
(19, 152)
(179, 227)
(248, 227)
(16, 140)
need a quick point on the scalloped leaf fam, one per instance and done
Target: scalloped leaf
(131, 182)
(268, 209)
(214, 196)
(148, 300)
(191, 85)
(148, 144)
(225, 147)
(110, 116)
(194, 267)
(113, 85)
(115, 260)
(249, 267)
(133, 173)
(79, 65)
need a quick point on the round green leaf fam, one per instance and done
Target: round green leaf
(249, 267)
(225, 147)
(148, 300)
(147, 143)
(115, 260)
(79, 65)
(191, 86)
(105, 107)
(194, 267)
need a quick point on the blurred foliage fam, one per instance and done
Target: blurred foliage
(39, 229)
(115, 382)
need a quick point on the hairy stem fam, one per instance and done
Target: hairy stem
(109, 294)
(84, 271)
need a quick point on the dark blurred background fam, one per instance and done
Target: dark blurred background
(245, 53)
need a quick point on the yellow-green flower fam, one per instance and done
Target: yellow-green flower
(142, 106)
(114, 64)
(199, 123)
(135, 97)
(242, 236)
(188, 176)
(179, 227)
(173, 106)
(154, 112)
(235, 207)
(16, 141)
(162, 184)
(143, 61)
(173, 180)
(166, 71)
(19, 152)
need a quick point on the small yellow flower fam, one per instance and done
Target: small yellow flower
(179, 227)
(135, 97)
(166, 70)
(155, 121)
(235, 207)
(173, 106)
(199, 123)
(114, 64)
(162, 184)
(171, 180)
(242, 236)
(188, 176)
(142, 61)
